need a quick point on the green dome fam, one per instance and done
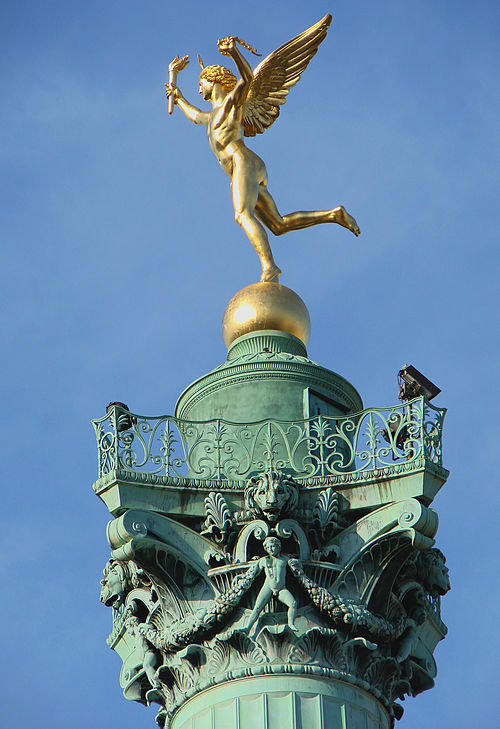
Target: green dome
(267, 374)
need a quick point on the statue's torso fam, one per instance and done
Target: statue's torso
(275, 570)
(225, 136)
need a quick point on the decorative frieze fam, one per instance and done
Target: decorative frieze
(275, 589)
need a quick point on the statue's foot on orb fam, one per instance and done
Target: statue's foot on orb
(342, 217)
(271, 274)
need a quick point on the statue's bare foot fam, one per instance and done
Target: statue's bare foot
(342, 217)
(271, 274)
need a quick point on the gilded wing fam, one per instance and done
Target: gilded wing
(277, 74)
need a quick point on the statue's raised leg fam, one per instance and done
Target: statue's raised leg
(278, 224)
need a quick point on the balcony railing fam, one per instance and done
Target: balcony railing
(319, 446)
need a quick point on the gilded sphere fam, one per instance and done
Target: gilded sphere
(265, 305)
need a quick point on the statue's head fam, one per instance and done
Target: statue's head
(270, 494)
(433, 572)
(272, 545)
(211, 75)
(114, 584)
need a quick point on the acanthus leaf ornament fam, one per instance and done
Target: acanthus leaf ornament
(218, 520)
(184, 635)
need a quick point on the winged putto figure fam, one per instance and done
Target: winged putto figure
(247, 107)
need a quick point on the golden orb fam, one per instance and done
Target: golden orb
(265, 305)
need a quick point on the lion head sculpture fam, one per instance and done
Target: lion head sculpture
(118, 579)
(433, 572)
(271, 494)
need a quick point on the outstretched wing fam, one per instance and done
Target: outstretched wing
(276, 75)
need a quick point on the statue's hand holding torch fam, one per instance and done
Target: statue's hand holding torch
(178, 64)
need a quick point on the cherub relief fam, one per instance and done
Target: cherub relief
(145, 651)
(275, 567)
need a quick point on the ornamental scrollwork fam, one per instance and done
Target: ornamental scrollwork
(321, 446)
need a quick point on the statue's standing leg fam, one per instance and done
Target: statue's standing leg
(269, 214)
(288, 599)
(245, 186)
(263, 598)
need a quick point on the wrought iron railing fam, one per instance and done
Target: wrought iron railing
(318, 446)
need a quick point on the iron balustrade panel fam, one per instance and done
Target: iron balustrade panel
(318, 446)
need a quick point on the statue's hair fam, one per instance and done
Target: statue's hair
(219, 75)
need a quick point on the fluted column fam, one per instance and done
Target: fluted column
(297, 702)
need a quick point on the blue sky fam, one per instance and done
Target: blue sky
(120, 253)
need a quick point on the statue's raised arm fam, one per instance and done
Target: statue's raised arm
(228, 47)
(174, 95)
(247, 107)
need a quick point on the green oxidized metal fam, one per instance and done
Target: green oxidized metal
(272, 555)
(267, 374)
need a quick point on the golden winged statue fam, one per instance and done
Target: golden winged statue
(247, 107)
